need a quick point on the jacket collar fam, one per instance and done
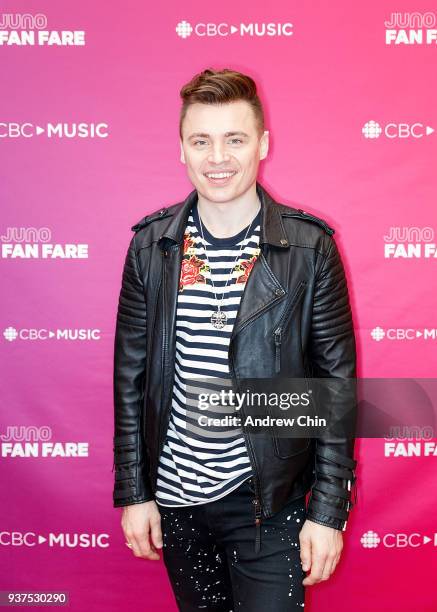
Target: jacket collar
(271, 227)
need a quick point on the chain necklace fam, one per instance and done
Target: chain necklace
(218, 317)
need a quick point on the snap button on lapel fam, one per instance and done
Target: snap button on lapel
(284, 242)
(279, 291)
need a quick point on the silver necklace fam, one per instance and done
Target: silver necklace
(218, 317)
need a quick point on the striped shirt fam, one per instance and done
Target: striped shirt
(201, 464)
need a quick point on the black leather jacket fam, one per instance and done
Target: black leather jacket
(298, 279)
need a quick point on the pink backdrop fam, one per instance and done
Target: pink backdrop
(321, 86)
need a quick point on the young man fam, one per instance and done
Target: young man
(229, 284)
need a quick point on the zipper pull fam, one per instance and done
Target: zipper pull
(257, 524)
(278, 336)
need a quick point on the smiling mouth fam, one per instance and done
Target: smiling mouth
(220, 175)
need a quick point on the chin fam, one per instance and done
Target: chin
(221, 194)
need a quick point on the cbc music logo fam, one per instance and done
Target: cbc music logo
(373, 130)
(184, 29)
(54, 130)
(25, 30)
(29, 441)
(30, 334)
(371, 539)
(403, 333)
(411, 29)
(52, 540)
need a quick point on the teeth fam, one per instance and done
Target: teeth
(219, 174)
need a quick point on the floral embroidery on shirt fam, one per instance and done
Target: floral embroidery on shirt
(245, 267)
(188, 244)
(193, 268)
(191, 271)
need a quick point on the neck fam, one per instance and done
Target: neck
(225, 219)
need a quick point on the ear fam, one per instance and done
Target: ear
(182, 152)
(264, 145)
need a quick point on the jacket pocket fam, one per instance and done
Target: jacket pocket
(289, 447)
(279, 327)
(286, 447)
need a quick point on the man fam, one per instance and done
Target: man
(229, 284)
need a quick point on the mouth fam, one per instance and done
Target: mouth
(220, 178)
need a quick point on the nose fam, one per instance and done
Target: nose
(218, 154)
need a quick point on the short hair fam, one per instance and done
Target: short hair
(220, 87)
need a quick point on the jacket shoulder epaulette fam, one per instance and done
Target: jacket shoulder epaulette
(301, 214)
(159, 214)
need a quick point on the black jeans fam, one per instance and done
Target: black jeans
(209, 553)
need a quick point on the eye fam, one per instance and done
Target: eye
(201, 142)
(236, 140)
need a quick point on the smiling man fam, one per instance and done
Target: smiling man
(229, 284)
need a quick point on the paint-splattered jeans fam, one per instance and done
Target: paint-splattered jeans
(209, 553)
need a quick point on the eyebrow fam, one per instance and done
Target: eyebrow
(205, 135)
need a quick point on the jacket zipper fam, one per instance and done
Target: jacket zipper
(259, 312)
(278, 340)
(257, 499)
(288, 310)
(291, 304)
(256, 502)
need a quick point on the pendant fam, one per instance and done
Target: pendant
(218, 319)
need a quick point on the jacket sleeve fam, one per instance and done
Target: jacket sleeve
(131, 481)
(333, 356)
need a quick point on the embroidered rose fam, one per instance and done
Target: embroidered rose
(191, 269)
(245, 267)
(188, 244)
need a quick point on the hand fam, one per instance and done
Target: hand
(320, 550)
(141, 524)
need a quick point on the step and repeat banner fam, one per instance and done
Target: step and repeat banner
(89, 144)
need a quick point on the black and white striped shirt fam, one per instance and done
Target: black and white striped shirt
(198, 465)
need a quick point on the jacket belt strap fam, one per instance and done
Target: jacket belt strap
(331, 470)
(328, 453)
(327, 487)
